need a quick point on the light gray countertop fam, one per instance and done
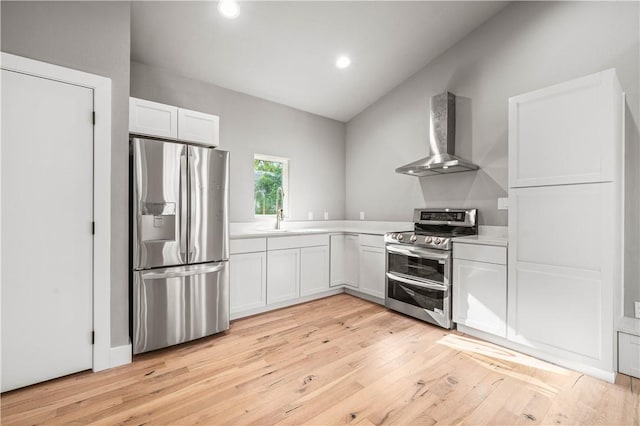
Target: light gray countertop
(629, 325)
(487, 235)
(484, 240)
(239, 230)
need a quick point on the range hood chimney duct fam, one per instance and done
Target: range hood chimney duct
(442, 142)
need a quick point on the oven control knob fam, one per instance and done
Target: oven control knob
(413, 238)
(428, 240)
(437, 241)
(400, 237)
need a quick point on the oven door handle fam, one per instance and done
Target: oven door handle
(417, 283)
(421, 253)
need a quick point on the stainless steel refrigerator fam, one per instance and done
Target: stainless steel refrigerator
(180, 240)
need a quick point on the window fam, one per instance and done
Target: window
(269, 174)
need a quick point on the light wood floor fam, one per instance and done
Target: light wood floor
(335, 360)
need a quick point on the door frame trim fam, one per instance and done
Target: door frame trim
(101, 87)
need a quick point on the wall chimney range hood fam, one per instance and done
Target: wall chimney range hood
(442, 142)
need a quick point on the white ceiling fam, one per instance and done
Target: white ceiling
(285, 51)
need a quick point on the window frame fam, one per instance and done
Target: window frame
(285, 183)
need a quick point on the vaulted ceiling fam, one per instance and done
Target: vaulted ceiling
(286, 51)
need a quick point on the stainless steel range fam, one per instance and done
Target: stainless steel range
(419, 266)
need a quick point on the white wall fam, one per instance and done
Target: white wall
(529, 45)
(248, 125)
(92, 37)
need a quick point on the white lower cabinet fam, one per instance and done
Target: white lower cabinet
(480, 296)
(314, 270)
(247, 275)
(248, 272)
(272, 272)
(344, 260)
(283, 275)
(372, 273)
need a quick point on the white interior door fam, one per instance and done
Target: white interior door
(47, 243)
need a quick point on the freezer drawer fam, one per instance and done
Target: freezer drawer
(175, 305)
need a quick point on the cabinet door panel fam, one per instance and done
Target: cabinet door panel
(314, 270)
(248, 281)
(153, 119)
(372, 274)
(337, 260)
(480, 296)
(559, 309)
(562, 134)
(198, 127)
(283, 275)
(560, 225)
(629, 350)
(351, 260)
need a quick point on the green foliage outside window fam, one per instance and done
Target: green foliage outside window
(267, 179)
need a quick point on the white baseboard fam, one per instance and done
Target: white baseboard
(357, 293)
(598, 373)
(297, 301)
(120, 355)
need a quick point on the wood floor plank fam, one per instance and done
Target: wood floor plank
(338, 360)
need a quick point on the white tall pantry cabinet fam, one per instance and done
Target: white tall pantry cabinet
(566, 173)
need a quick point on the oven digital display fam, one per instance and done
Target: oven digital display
(443, 216)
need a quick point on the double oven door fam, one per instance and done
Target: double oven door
(418, 283)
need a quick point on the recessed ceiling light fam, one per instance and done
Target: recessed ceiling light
(343, 62)
(229, 9)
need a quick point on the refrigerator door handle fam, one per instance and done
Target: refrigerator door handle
(194, 198)
(183, 205)
(184, 272)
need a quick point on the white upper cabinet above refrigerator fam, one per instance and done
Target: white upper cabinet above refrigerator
(153, 119)
(198, 127)
(170, 122)
(562, 134)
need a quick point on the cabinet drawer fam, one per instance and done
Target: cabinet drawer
(247, 245)
(297, 241)
(372, 240)
(629, 354)
(480, 253)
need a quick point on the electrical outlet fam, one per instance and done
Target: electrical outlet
(326, 215)
(637, 308)
(361, 215)
(310, 216)
(503, 203)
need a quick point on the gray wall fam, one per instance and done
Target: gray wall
(529, 45)
(92, 37)
(248, 125)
